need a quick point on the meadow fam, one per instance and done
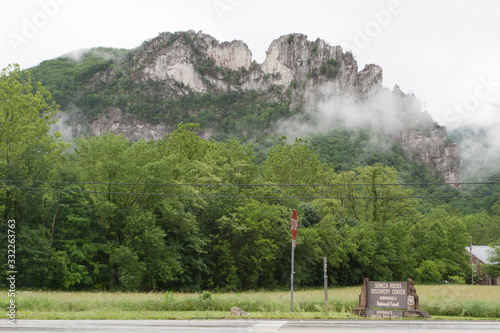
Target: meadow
(441, 301)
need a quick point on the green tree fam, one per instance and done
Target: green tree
(27, 146)
(441, 237)
(383, 200)
(483, 227)
(342, 242)
(30, 154)
(147, 228)
(251, 246)
(493, 269)
(295, 164)
(428, 272)
(25, 117)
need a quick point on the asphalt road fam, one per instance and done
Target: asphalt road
(251, 326)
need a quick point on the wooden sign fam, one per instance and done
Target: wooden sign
(387, 294)
(378, 298)
(384, 313)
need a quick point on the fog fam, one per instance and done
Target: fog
(70, 123)
(480, 143)
(384, 111)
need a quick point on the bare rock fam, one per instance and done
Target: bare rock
(238, 312)
(434, 149)
(129, 125)
(369, 77)
(234, 55)
(175, 60)
(304, 73)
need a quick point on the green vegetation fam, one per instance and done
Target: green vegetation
(80, 83)
(187, 214)
(314, 48)
(494, 269)
(65, 75)
(329, 68)
(441, 301)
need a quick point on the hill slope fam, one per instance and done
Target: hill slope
(302, 88)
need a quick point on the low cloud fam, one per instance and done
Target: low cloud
(70, 124)
(384, 111)
(103, 53)
(480, 143)
(62, 127)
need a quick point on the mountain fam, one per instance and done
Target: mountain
(302, 88)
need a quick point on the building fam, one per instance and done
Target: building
(481, 256)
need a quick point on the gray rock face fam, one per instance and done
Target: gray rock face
(312, 71)
(371, 75)
(434, 149)
(132, 128)
(167, 58)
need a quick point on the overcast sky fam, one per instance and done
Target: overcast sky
(447, 52)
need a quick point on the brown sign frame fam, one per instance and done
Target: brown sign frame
(408, 300)
(382, 294)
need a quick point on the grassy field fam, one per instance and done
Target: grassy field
(441, 301)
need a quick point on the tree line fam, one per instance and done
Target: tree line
(184, 213)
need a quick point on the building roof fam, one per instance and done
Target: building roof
(482, 253)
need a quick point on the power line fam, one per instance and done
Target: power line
(255, 197)
(249, 185)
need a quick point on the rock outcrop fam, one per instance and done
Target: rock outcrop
(235, 311)
(307, 73)
(176, 58)
(129, 125)
(233, 55)
(436, 150)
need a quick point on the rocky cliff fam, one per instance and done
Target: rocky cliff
(129, 125)
(304, 75)
(434, 149)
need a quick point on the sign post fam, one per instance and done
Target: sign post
(294, 236)
(326, 284)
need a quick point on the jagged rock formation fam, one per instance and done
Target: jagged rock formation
(304, 74)
(434, 149)
(168, 57)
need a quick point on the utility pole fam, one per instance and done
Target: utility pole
(471, 263)
(294, 236)
(326, 284)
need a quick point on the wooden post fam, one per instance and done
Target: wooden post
(412, 297)
(363, 297)
(363, 300)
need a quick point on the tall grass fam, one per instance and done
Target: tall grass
(457, 301)
(460, 300)
(307, 301)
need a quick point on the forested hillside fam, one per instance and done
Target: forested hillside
(186, 213)
(302, 88)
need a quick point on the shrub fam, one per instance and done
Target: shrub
(428, 272)
(332, 62)
(205, 295)
(455, 279)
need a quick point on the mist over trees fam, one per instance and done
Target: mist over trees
(184, 213)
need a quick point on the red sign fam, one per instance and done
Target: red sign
(294, 225)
